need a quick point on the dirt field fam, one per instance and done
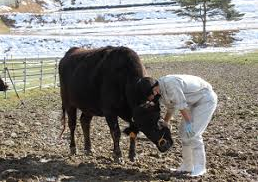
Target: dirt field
(30, 150)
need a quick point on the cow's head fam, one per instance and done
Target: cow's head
(3, 86)
(147, 119)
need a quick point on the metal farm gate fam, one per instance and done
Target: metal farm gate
(22, 75)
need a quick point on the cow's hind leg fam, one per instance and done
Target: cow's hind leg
(85, 123)
(132, 154)
(116, 134)
(71, 112)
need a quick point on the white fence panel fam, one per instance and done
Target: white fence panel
(22, 75)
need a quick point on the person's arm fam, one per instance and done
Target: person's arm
(188, 122)
(170, 112)
(186, 115)
(167, 117)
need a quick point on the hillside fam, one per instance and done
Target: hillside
(25, 6)
(51, 31)
(36, 6)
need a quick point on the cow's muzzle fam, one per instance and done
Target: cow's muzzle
(163, 144)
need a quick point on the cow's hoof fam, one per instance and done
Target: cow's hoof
(119, 160)
(73, 150)
(133, 158)
(89, 151)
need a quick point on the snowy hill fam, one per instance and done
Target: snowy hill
(148, 29)
(56, 5)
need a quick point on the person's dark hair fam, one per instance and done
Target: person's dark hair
(145, 86)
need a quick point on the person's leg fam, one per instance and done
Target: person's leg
(187, 165)
(201, 116)
(198, 157)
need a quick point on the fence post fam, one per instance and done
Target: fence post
(55, 79)
(12, 68)
(41, 74)
(24, 75)
(5, 93)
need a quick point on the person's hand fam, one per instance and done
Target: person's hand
(188, 128)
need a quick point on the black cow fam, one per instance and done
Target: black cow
(103, 82)
(3, 86)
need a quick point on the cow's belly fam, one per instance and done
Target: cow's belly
(92, 111)
(87, 103)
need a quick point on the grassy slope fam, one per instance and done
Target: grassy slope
(234, 58)
(247, 58)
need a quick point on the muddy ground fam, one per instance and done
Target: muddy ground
(30, 150)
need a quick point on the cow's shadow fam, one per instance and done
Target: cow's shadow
(57, 169)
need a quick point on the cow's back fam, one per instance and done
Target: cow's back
(89, 79)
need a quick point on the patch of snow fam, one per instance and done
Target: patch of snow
(52, 46)
(23, 3)
(147, 30)
(51, 6)
(88, 3)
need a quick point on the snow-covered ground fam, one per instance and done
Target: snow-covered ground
(147, 30)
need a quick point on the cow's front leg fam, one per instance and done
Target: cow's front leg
(132, 153)
(85, 123)
(116, 134)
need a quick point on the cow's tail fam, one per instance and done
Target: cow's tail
(63, 122)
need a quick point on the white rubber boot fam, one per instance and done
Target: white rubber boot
(199, 161)
(187, 165)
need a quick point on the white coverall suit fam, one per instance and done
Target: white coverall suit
(191, 92)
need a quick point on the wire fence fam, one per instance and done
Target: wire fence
(26, 74)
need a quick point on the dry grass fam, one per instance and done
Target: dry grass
(27, 7)
(3, 27)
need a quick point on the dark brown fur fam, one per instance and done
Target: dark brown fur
(3, 86)
(102, 82)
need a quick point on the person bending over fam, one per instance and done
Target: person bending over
(196, 101)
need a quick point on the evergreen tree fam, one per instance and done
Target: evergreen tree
(201, 9)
